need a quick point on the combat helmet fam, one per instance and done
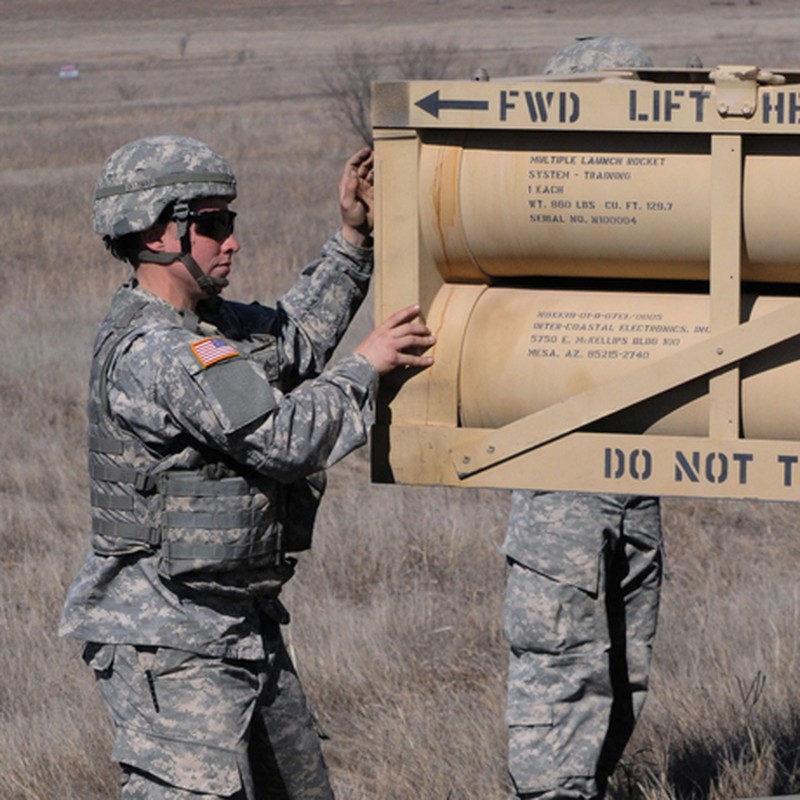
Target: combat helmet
(145, 178)
(595, 53)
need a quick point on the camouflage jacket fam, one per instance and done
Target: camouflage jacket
(238, 393)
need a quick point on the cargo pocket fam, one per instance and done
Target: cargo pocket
(551, 596)
(187, 765)
(559, 556)
(181, 718)
(530, 746)
(178, 717)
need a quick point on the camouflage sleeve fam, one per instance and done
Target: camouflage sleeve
(314, 314)
(163, 393)
(308, 321)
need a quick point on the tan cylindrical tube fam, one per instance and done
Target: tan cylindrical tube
(525, 350)
(576, 206)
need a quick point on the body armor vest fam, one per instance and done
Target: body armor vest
(211, 525)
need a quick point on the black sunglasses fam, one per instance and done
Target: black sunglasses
(216, 225)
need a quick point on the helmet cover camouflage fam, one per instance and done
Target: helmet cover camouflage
(596, 53)
(140, 179)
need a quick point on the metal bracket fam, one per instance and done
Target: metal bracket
(737, 88)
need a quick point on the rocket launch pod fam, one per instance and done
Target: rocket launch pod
(507, 204)
(505, 208)
(526, 350)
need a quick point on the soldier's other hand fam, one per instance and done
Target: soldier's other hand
(398, 342)
(357, 196)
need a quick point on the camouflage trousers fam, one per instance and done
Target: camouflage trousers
(580, 614)
(190, 726)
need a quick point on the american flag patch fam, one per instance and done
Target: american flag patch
(212, 349)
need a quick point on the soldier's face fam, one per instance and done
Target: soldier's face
(214, 248)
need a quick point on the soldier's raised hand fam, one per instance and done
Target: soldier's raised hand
(356, 196)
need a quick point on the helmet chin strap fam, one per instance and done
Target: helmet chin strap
(211, 286)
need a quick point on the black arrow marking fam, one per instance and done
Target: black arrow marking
(432, 104)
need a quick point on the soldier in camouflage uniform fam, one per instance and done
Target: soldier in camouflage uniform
(582, 594)
(206, 459)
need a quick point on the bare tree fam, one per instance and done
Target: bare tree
(349, 83)
(426, 60)
(349, 87)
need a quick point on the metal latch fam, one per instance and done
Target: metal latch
(737, 88)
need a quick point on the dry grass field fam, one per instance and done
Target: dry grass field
(396, 611)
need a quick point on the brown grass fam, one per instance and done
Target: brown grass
(397, 629)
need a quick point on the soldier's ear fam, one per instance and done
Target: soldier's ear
(156, 237)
